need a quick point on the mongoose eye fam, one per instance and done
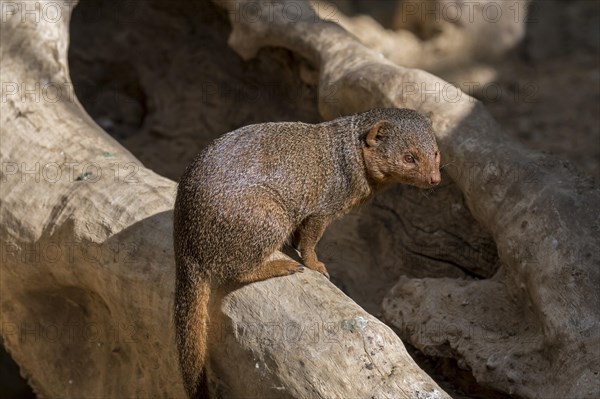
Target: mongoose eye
(409, 159)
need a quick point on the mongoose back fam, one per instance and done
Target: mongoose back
(254, 188)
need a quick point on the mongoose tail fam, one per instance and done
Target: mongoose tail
(191, 322)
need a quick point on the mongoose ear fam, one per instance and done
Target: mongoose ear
(373, 137)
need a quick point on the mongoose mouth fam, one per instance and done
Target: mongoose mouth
(425, 185)
(417, 181)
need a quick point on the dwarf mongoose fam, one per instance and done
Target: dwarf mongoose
(252, 189)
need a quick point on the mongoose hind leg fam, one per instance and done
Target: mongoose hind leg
(308, 235)
(270, 269)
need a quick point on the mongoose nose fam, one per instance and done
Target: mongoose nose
(435, 179)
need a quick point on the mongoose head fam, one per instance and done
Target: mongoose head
(401, 148)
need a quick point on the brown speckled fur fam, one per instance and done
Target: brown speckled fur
(253, 188)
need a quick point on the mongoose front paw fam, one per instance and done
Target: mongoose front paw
(297, 269)
(318, 266)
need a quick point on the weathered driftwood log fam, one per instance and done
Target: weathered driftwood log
(87, 265)
(458, 41)
(532, 328)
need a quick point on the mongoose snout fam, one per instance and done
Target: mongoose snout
(434, 176)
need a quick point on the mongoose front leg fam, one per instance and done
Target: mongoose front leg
(309, 234)
(270, 269)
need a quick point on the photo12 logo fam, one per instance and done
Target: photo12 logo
(277, 11)
(465, 11)
(70, 253)
(48, 92)
(70, 172)
(36, 11)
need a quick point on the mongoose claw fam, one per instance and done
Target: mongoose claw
(318, 267)
(298, 269)
(324, 272)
